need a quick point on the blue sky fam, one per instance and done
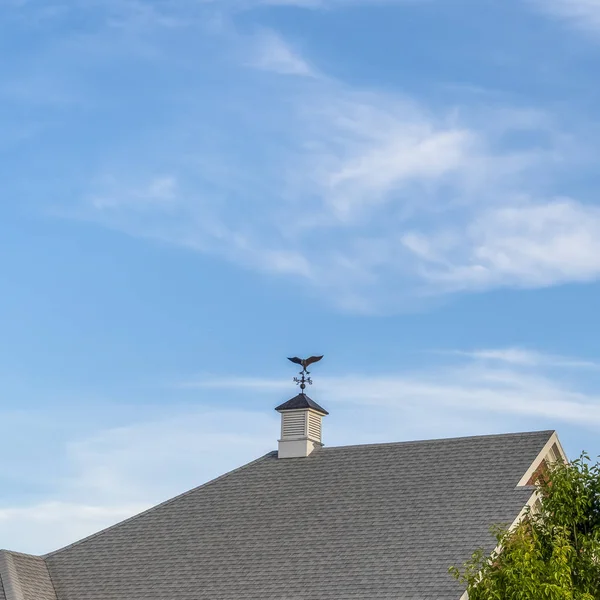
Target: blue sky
(194, 190)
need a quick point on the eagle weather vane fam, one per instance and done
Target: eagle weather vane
(304, 378)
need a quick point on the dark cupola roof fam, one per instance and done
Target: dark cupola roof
(301, 401)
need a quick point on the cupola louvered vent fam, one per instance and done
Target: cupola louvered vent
(294, 424)
(314, 426)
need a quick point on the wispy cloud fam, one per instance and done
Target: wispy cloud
(495, 384)
(581, 13)
(375, 174)
(37, 528)
(104, 477)
(159, 192)
(273, 53)
(528, 358)
(371, 199)
(526, 244)
(338, 191)
(329, 4)
(245, 383)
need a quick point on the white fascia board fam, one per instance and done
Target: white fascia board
(541, 456)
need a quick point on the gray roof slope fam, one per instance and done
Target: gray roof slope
(372, 522)
(24, 577)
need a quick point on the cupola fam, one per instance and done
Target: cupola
(301, 418)
(300, 427)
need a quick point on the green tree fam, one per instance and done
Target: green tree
(553, 553)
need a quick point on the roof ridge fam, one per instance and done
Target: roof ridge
(450, 439)
(153, 508)
(16, 553)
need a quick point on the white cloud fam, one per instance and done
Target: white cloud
(530, 245)
(479, 387)
(369, 199)
(528, 358)
(273, 53)
(150, 459)
(328, 4)
(582, 13)
(352, 168)
(247, 383)
(37, 528)
(344, 155)
(159, 192)
(117, 472)
(385, 159)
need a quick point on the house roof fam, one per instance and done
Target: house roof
(301, 401)
(373, 522)
(24, 577)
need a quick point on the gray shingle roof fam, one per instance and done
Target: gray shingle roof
(24, 577)
(374, 522)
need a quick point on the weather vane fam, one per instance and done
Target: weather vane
(303, 380)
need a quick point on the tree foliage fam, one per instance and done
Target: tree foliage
(553, 553)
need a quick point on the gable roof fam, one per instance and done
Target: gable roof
(376, 522)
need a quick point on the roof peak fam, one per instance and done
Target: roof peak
(540, 432)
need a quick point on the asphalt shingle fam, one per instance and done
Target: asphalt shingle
(25, 577)
(374, 522)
